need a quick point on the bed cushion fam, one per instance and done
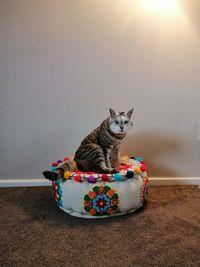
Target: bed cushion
(95, 195)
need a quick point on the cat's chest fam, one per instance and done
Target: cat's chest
(110, 144)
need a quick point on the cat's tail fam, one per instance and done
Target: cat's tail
(68, 165)
(52, 176)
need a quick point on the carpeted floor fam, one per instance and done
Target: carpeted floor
(35, 232)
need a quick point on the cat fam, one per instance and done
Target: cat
(100, 150)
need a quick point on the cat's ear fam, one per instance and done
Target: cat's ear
(113, 113)
(129, 113)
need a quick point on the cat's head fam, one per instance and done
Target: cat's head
(120, 122)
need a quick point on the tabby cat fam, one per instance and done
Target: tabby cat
(99, 151)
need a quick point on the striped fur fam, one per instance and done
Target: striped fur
(68, 165)
(99, 151)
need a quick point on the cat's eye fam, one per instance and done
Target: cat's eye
(126, 122)
(116, 122)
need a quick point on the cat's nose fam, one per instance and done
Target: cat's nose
(121, 127)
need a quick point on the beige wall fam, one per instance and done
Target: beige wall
(64, 63)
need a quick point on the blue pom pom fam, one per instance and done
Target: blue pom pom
(53, 169)
(118, 176)
(130, 174)
(139, 159)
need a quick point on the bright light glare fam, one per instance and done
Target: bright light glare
(160, 6)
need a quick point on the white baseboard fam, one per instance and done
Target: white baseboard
(153, 181)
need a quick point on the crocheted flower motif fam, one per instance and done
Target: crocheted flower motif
(101, 200)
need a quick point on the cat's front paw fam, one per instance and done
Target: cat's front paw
(108, 170)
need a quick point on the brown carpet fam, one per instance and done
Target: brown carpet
(35, 232)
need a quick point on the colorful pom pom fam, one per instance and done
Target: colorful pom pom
(59, 161)
(143, 168)
(130, 174)
(137, 170)
(91, 179)
(54, 164)
(118, 176)
(65, 159)
(104, 177)
(77, 178)
(139, 159)
(53, 169)
(67, 175)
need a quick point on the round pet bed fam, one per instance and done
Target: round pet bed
(93, 195)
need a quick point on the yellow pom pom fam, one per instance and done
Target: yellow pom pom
(137, 170)
(67, 175)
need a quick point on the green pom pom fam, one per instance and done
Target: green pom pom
(139, 159)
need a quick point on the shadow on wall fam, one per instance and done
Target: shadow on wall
(151, 148)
